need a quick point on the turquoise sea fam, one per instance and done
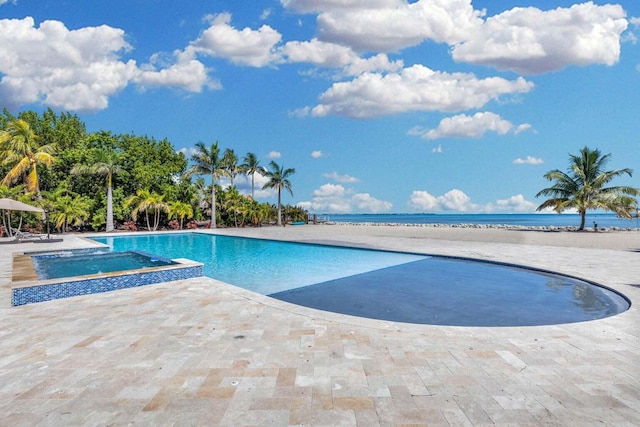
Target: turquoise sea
(603, 220)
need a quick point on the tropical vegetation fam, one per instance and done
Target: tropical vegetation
(584, 187)
(106, 181)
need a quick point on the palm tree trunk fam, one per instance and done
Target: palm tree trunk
(279, 209)
(213, 202)
(147, 215)
(252, 177)
(583, 217)
(109, 209)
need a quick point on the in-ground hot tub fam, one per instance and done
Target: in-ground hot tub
(64, 274)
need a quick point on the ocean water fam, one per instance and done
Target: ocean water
(603, 220)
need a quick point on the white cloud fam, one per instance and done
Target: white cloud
(365, 203)
(515, 203)
(528, 161)
(463, 126)
(437, 149)
(332, 198)
(457, 201)
(331, 55)
(187, 73)
(532, 41)
(274, 155)
(379, 62)
(416, 88)
(76, 70)
(341, 178)
(188, 151)
(319, 53)
(316, 154)
(266, 14)
(254, 48)
(243, 184)
(394, 25)
(521, 128)
(80, 69)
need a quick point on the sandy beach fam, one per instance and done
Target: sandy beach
(202, 352)
(617, 240)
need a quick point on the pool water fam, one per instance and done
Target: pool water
(262, 266)
(69, 263)
(438, 291)
(387, 285)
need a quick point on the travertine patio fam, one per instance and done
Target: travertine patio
(201, 352)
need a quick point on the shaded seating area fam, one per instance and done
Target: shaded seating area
(25, 235)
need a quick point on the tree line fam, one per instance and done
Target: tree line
(103, 181)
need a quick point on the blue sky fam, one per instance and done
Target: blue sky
(380, 105)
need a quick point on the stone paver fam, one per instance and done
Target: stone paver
(201, 352)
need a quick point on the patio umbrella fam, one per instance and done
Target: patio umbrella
(14, 205)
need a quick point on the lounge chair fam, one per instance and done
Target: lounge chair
(25, 235)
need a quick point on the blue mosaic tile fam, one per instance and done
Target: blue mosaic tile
(39, 293)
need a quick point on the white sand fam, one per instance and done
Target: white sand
(616, 240)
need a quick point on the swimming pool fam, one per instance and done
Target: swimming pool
(387, 285)
(58, 265)
(262, 266)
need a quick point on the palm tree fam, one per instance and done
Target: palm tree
(230, 164)
(583, 187)
(147, 202)
(181, 211)
(251, 166)
(21, 150)
(103, 164)
(207, 161)
(70, 210)
(278, 178)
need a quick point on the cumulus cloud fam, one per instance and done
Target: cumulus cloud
(79, 69)
(332, 55)
(332, 198)
(255, 48)
(529, 160)
(364, 202)
(316, 154)
(416, 88)
(463, 126)
(187, 73)
(274, 155)
(243, 184)
(76, 70)
(457, 201)
(395, 25)
(318, 52)
(341, 178)
(515, 203)
(437, 149)
(531, 41)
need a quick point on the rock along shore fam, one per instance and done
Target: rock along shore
(482, 226)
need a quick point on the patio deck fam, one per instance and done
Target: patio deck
(202, 352)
